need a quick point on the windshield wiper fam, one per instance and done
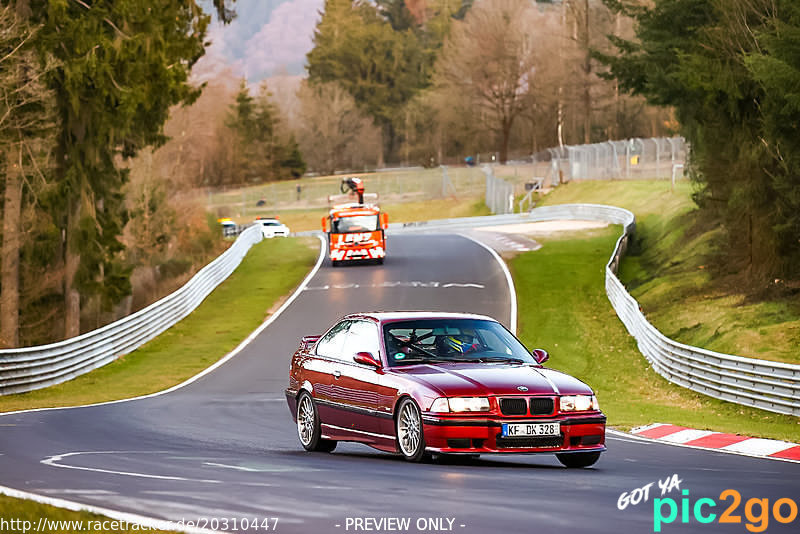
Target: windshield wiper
(417, 360)
(499, 359)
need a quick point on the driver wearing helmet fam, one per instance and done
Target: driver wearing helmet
(455, 344)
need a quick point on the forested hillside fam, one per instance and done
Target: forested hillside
(108, 131)
(731, 71)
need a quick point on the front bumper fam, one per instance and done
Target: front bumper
(479, 435)
(276, 233)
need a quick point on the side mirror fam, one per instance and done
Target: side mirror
(367, 358)
(384, 220)
(540, 355)
(325, 224)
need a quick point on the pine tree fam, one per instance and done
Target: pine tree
(382, 55)
(293, 161)
(26, 120)
(730, 70)
(122, 65)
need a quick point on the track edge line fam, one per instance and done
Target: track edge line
(219, 363)
(150, 522)
(512, 290)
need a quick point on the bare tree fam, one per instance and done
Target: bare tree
(332, 132)
(490, 59)
(26, 117)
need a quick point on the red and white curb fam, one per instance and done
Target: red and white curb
(733, 443)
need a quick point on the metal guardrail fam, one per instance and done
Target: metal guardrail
(31, 368)
(772, 386)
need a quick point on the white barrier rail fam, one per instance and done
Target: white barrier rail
(772, 386)
(768, 385)
(31, 368)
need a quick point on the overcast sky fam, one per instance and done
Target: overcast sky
(266, 37)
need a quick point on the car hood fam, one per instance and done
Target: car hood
(482, 379)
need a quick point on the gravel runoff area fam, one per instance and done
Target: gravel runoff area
(544, 227)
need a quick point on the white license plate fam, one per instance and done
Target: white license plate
(513, 430)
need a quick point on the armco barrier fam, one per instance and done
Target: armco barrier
(771, 386)
(31, 368)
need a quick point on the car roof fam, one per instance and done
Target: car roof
(386, 317)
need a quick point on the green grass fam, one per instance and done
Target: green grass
(642, 197)
(21, 510)
(392, 187)
(436, 208)
(563, 308)
(667, 271)
(270, 271)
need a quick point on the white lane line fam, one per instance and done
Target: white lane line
(235, 467)
(624, 436)
(53, 461)
(150, 522)
(509, 281)
(160, 524)
(409, 284)
(271, 319)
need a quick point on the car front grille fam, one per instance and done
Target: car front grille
(513, 407)
(542, 405)
(529, 442)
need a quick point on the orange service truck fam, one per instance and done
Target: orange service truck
(356, 231)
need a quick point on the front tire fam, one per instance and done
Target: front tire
(409, 431)
(578, 459)
(309, 429)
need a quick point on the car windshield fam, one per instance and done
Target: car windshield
(270, 223)
(356, 223)
(452, 340)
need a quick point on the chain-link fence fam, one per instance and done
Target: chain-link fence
(499, 193)
(630, 159)
(662, 157)
(391, 186)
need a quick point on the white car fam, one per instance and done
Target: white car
(272, 228)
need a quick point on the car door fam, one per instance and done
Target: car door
(319, 370)
(356, 386)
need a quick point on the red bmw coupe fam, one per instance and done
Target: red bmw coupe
(417, 383)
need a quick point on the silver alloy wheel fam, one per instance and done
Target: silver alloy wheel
(305, 420)
(409, 429)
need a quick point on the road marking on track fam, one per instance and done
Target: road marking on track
(509, 281)
(54, 461)
(150, 522)
(411, 284)
(235, 467)
(787, 449)
(687, 435)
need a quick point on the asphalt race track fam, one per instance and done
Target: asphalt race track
(225, 446)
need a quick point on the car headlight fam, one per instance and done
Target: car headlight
(579, 403)
(460, 404)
